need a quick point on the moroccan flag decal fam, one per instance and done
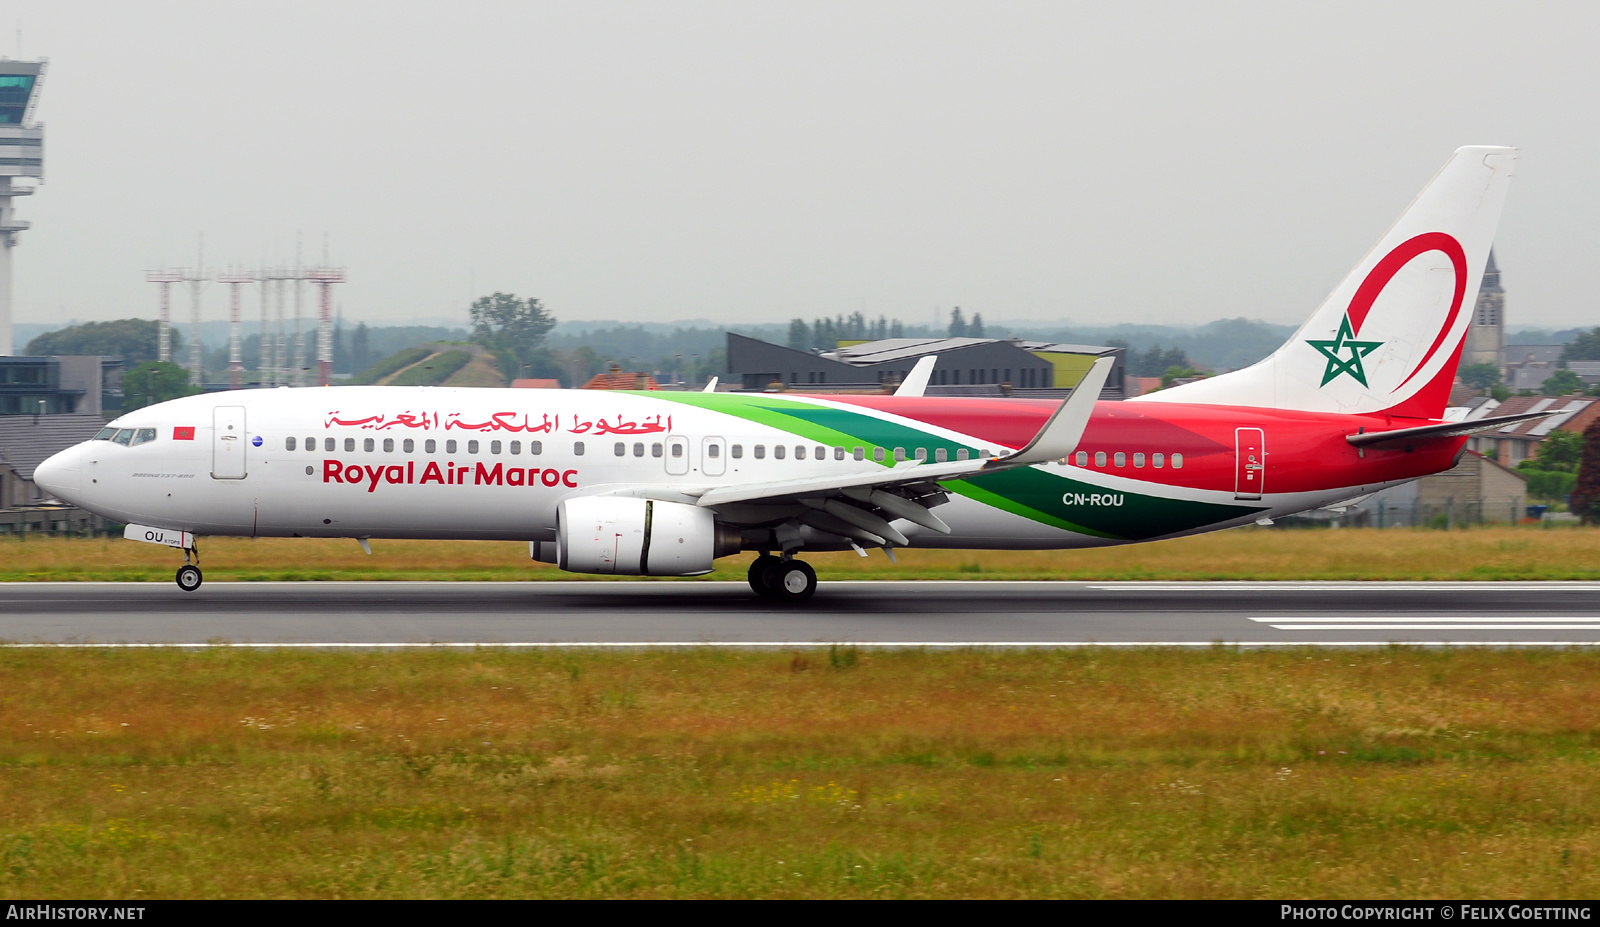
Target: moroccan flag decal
(183, 433)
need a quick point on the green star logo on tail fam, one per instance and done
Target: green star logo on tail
(1345, 340)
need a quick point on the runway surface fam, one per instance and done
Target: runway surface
(886, 613)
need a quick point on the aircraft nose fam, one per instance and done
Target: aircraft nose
(60, 474)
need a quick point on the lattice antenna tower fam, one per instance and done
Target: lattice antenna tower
(275, 360)
(325, 277)
(166, 278)
(197, 280)
(235, 279)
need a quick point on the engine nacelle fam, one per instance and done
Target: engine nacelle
(639, 537)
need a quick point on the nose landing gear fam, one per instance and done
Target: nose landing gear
(189, 577)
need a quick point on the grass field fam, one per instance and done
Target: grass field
(1489, 553)
(820, 773)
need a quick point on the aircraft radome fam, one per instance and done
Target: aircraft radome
(663, 483)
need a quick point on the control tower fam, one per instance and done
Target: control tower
(21, 159)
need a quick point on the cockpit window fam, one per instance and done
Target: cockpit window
(144, 436)
(123, 437)
(105, 434)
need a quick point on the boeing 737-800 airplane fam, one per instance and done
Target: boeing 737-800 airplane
(663, 483)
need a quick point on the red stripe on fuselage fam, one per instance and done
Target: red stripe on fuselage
(1306, 451)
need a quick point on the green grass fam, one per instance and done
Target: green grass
(819, 773)
(433, 371)
(1494, 553)
(389, 365)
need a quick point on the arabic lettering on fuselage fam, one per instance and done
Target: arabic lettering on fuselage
(515, 422)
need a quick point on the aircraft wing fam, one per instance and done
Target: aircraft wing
(860, 505)
(1401, 436)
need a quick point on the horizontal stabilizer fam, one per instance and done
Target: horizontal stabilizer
(1445, 430)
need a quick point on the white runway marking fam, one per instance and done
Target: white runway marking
(1433, 623)
(1362, 586)
(779, 645)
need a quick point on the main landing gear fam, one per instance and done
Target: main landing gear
(189, 577)
(782, 579)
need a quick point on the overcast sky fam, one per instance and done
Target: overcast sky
(751, 162)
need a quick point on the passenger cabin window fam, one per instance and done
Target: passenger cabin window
(536, 447)
(638, 448)
(430, 446)
(859, 453)
(961, 453)
(761, 451)
(146, 435)
(1177, 461)
(1083, 458)
(1138, 460)
(409, 446)
(472, 447)
(311, 445)
(655, 449)
(388, 445)
(349, 444)
(494, 447)
(899, 454)
(577, 448)
(516, 448)
(327, 444)
(1099, 458)
(822, 452)
(450, 446)
(124, 436)
(368, 445)
(736, 451)
(922, 453)
(1121, 459)
(620, 449)
(799, 452)
(289, 443)
(777, 452)
(941, 455)
(1157, 460)
(877, 454)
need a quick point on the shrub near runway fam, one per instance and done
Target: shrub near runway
(1495, 553)
(821, 773)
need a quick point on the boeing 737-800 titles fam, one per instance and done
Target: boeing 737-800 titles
(663, 483)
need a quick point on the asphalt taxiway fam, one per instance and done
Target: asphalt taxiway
(915, 613)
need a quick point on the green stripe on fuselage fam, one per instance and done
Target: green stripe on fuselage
(1074, 505)
(1036, 494)
(822, 424)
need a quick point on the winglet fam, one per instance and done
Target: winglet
(917, 380)
(711, 387)
(1061, 434)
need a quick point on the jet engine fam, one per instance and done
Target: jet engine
(639, 537)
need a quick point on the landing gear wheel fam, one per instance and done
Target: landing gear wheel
(189, 577)
(793, 581)
(758, 573)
